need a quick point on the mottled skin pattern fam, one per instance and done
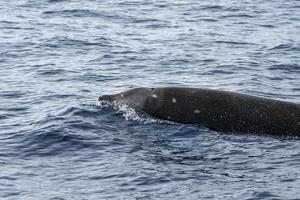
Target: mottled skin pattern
(217, 110)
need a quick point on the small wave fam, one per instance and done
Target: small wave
(12, 94)
(15, 109)
(290, 47)
(81, 13)
(129, 113)
(264, 195)
(60, 42)
(241, 15)
(219, 71)
(8, 22)
(95, 77)
(56, 1)
(49, 141)
(148, 21)
(73, 13)
(10, 25)
(60, 96)
(291, 68)
(209, 20)
(57, 198)
(50, 72)
(233, 42)
(267, 25)
(4, 117)
(281, 46)
(213, 7)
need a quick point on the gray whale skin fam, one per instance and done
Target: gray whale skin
(217, 110)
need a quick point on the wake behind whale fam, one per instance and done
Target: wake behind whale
(217, 110)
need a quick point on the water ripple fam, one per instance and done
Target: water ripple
(57, 56)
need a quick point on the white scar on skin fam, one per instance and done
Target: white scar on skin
(197, 111)
(154, 96)
(173, 100)
(169, 117)
(122, 95)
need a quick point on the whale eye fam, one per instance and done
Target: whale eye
(152, 88)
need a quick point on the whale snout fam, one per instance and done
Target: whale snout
(106, 98)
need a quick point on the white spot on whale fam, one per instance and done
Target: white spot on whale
(197, 111)
(169, 117)
(122, 95)
(154, 96)
(173, 100)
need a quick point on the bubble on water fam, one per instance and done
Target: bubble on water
(130, 113)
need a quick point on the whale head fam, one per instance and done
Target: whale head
(135, 97)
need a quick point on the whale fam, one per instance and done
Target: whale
(220, 111)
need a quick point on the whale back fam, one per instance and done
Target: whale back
(225, 111)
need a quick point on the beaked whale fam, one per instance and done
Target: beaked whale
(217, 110)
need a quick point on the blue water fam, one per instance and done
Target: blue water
(57, 56)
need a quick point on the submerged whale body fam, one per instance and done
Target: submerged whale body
(217, 110)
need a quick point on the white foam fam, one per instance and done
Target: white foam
(154, 96)
(129, 113)
(197, 111)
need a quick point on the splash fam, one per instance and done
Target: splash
(129, 113)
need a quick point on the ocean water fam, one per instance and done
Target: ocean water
(58, 56)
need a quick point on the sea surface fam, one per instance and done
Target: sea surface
(58, 56)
